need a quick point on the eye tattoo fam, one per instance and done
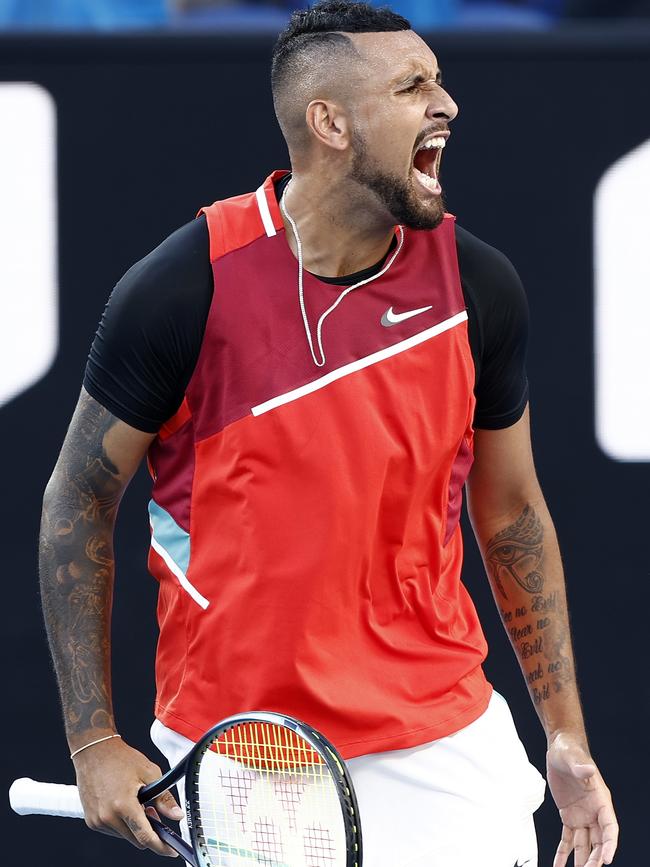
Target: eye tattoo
(517, 552)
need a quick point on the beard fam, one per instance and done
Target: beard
(395, 193)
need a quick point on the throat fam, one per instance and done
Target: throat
(337, 240)
(351, 276)
(351, 266)
(333, 254)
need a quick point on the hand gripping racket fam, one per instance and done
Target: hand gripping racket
(260, 788)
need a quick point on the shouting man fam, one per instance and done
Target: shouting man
(314, 371)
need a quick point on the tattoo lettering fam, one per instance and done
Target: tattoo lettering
(516, 634)
(531, 648)
(545, 603)
(538, 629)
(517, 552)
(561, 670)
(541, 694)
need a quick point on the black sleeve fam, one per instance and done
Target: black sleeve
(498, 330)
(150, 334)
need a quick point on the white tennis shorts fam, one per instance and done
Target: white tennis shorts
(461, 801)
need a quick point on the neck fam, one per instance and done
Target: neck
(340, 233)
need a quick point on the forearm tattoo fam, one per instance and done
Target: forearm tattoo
(76, 567)
(517, 552)
(536, 621)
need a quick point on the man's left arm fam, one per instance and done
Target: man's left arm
(519, 546)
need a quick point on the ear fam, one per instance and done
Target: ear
(328, 123)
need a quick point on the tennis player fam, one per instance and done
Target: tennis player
(315, 370)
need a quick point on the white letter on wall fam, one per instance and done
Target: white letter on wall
(622, 307)
(28, 236)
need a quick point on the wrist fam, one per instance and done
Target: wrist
(562, 719)
(93, 744)
(77, 740)
(573, 736)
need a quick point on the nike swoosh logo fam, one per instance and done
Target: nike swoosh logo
(522, 863)
(391, 318)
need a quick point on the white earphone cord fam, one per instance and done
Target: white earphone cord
(346, 291)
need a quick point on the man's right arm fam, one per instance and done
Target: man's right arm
(99, 456)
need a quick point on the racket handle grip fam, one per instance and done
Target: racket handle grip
(47, 799)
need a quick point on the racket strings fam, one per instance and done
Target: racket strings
(289, 793)
(266, 841)
(265, 796)
(319, 847)
(238, 787)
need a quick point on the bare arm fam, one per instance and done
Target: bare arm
(517, 539)
(80, 505)
(100, 454)
(522, 558)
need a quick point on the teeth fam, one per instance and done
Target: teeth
(432, 183)
(438, 142)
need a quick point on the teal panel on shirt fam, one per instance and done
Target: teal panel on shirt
(170, 536)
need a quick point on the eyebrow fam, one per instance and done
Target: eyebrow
(419, 78)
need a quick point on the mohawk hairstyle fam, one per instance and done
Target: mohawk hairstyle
(321, 27)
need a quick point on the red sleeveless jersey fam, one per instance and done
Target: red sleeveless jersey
(305, 520)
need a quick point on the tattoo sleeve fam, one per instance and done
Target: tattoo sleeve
(524, 566)
(76, 568)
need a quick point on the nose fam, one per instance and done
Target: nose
(441, 105)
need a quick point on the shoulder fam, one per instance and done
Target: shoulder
(180, 262)
(486, 270)
(149, 336)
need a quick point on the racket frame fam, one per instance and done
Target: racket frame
(188, 767)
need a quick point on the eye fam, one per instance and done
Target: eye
(514, 554)
(506, 553)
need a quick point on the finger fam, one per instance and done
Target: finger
(126, 834)
(109, 823)
(166, 805)
(581, 847)
(110, 832)
(609, 832)
(564, 849)
(145, 836)
(610, 843)
(115, 827)
(596, 857)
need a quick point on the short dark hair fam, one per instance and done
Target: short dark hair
(319, 27)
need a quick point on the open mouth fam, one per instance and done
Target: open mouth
(426, 163)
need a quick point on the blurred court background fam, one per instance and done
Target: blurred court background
(120, 118)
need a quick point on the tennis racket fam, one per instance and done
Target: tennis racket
(260, 788)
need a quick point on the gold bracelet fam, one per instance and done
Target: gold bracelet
(92, 744)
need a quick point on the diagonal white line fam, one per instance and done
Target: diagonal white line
(265, 212)
(353, 366)
(178, 572)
